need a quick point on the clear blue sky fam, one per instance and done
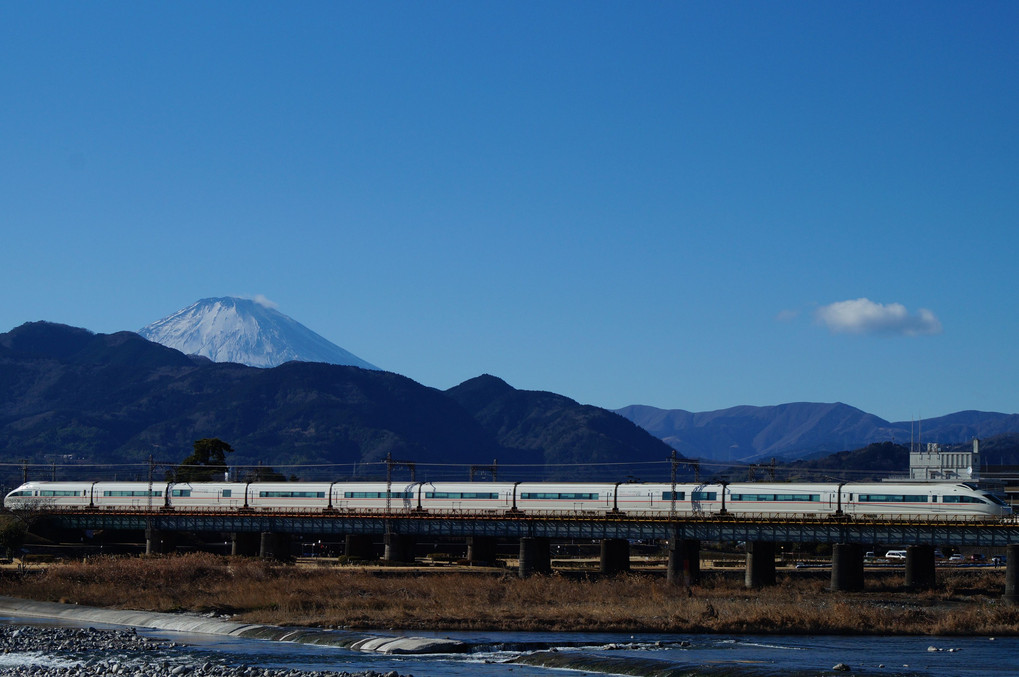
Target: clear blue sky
(688, 205)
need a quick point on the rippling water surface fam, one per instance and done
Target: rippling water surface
(538, 654)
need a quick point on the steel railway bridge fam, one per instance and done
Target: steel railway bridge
(272, 529)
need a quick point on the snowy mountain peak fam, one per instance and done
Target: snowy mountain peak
(246, 331)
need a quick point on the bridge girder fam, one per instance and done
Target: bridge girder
(633, 526)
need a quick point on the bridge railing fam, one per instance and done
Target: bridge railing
(654, 516)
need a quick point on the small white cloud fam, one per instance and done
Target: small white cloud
(863, 316)
(263, 301)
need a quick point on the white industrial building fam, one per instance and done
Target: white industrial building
(932, 463)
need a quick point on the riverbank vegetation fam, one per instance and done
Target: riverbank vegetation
(256, 591)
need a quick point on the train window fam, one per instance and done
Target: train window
(460, 494)
(776, 497)
(291, 494)
(52, 492)
(960, 499)
(703, 496)
(132, 493)
(377, 494)
(893, 498)
(180, 492)
(228, 493)
(668, 495)
(556, 496)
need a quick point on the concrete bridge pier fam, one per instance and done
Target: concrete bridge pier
(847, 567)
(760, 564)
(274, 546)
(920, 570)
(535, 556)
(158, 542)
(358, 546)
(615, 556)
(481, 549)
(400, 548)
(244, 543)
(1012, 574)
(684, 566)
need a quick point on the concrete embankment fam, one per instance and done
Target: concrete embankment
(213, 626)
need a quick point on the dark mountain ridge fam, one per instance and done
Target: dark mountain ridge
(564, 432)
(66, 393)
(803, 429)
(70, 396)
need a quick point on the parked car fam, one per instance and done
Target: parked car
(895, 554)
(956, 558)
(977, 557)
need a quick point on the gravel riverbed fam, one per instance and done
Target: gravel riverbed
(90, 652)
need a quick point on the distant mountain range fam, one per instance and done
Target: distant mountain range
(803, 430)
(247, 332)
(68, 396)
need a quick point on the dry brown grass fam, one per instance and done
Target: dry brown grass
(260, 592)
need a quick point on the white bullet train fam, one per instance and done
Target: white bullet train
(747, 498)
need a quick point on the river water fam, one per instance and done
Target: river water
(504, 654)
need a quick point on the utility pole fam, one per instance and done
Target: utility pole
(672, 504)
(390, 464)
(152, 466)
(389, 482)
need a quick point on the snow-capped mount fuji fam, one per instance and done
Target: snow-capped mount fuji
(245, 331)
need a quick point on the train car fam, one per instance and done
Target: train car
(888, 498)
(206, 495)
(737, 498)
(288, 495)
(42, 495)
(465, 496)
(779, 498)
(106, 495)
(372, 496)
(758, 498)
(683, 498)
(563, 497)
